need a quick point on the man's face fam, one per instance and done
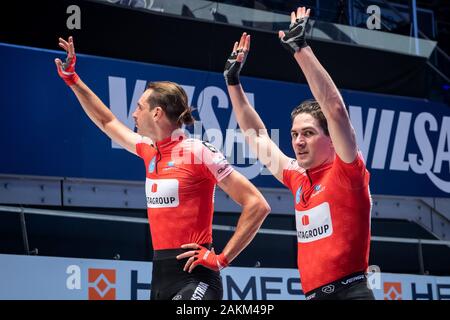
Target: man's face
(311, 145)
(143, 116)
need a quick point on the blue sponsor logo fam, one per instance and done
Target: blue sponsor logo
(297, 195)
(170, 164)
(151, 166)
(317, 188)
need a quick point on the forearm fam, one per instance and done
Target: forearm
(251, 219)
(92, 105)
(255, 132)
(245, 114)
(322, 86)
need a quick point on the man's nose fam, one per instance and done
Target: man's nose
(300, 140)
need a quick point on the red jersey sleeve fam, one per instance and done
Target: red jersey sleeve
(210, 161)
(142, 146)
(291, 168)
(215, 165)
(352, 175)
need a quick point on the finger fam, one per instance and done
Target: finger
(307, 12)
(64, 41)
(235, 46)
(240, 57)
(293, 17)
(190, 246)
(58, 63)
(281, 34)
(186, 255)
(241, 42)
(188, 264)
(247, 44)
(71, 46)
(212, 250)
(193, 265)
(62, 45)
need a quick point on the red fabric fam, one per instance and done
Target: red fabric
(210, 260)
(69, 75)
(181, 177)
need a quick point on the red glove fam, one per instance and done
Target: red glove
(204, 257)
(209, 259)
(66, 70)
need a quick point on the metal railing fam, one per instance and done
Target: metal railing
(105, 217)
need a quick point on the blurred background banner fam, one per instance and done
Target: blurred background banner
(44, 131)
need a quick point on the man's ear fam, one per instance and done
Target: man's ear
(157, 113)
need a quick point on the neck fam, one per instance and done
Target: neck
(328, 160)
(165, 132)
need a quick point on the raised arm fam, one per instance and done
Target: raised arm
(254, 210)
(267, 152)
(322, 87)
(92, 105)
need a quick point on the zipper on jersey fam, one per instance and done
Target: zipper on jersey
(310, 185)
(158, 158)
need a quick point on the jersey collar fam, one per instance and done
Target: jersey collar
(171, 141)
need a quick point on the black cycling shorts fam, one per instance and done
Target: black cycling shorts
(170, 282)
(352, 287)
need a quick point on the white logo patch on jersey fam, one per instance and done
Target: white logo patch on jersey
(162, 193)
(314, 224)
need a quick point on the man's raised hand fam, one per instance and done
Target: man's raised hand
(236, 61)
(294, 39)
(66, 70)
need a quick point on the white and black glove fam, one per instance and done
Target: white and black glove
(233, 68)
(236, 60)
(294, 39)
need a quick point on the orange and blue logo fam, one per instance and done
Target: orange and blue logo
(102, 284)
(392, 291)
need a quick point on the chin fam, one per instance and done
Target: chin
(304, 164)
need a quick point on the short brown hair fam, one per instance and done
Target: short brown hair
(172, 98)
(311, 107)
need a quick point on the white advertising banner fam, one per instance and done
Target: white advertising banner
(53, 278)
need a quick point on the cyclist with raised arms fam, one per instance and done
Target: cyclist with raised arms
(181, 175)
(327, 177)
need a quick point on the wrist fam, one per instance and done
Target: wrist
(301, 51)
(232, 80)
(72, 79)
(223, 261)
